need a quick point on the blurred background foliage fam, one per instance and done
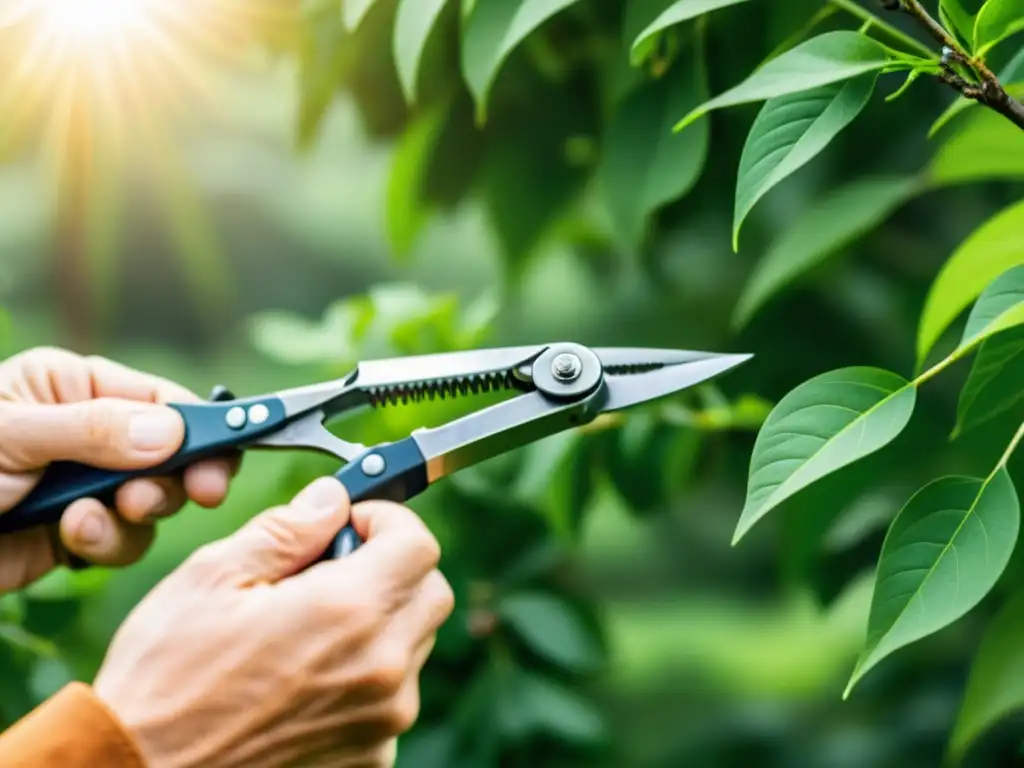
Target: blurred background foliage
(262, 204)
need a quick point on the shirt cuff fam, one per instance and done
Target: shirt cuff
(72, 729)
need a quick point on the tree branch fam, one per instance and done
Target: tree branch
(985, 88)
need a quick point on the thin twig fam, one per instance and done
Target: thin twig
(896, 34)
(987, 89)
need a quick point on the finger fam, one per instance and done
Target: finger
(148, 499)
(278, 543)
(206, 483)
(14, 487)
(399, 551)
(50, 375)
(91, 531)
(107, 433)
(429, 609)
(24, 557)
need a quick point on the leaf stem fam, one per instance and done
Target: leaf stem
(1014, 442)
(862, 13)
(988, 91)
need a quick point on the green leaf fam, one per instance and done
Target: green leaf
(995, 687)
(62, 584)
(943, 553)
(824, 424)
(677, 13)
(354, 11)
(997, 308)
(18, 637)
(959, 18)
(492, 31)
(406, 210)
(414, 22)
(994, 383)
(1010, 76)
(838, 220)
(551, 627)
(529, 704)
(827, 58)
(645, 165)
(996, 21)
(789, 132)
(987, 146)
(993, 248)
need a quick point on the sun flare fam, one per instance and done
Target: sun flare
(95, 22)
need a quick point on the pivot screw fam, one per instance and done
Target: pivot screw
(258, 413)
(235, 417)
(373, 465)
(566, 367)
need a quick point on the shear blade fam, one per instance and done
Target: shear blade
(630, 389)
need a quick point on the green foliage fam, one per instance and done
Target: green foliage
(996, 21)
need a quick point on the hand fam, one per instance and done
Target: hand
(55, 405)
(242, 658)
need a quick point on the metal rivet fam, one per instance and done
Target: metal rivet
(235, 417)
(373, 465)
(259, 413)
(566, 367)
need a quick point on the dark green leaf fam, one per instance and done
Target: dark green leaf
(821, 426)
(414, 22)
(943, 553)
(993, 248)
(827, 58)
(677, 13)
(995, 688)
(958, 18)
(531, 705)
(552, 628)
(994, 383)
(842, 217)
(493, 30)
(789, 132)
(19, 637)
(644, 164)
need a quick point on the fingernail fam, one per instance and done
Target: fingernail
(321, 498)
(90, 530)
(154, 428)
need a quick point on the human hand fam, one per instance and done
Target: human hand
(56, 405)
(242, 658)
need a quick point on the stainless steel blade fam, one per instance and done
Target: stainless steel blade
(625, 359)
(632, 388)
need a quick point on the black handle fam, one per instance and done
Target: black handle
(211, 429)
(391, 472)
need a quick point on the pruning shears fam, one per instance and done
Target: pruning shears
(558, 387)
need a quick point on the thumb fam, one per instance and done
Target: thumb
(106, 432)
(281, 541)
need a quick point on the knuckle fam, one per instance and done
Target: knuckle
(443, 595)
(387, 671)
(426, 547)
(101, 423)
(403, 712)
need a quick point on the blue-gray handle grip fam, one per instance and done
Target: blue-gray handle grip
(211, 429)
(391, 472)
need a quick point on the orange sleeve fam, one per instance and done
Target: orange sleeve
(73, 729)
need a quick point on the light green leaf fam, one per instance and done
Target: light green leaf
(993, 248)
(1010, 76)
(827, 58)
(414, 22)
(644, 164)
(995, 688)
(492, 31)
(945, 550)
(997, 308)
(986, 147)
(789, 132)
(64, 584)
(354, 11)
(823, 425)
(996, 21)
(958, 18)
(19, 637)
(552, 629)
(677, 13)
(406, 210)
(842, 217)
(994, 383)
